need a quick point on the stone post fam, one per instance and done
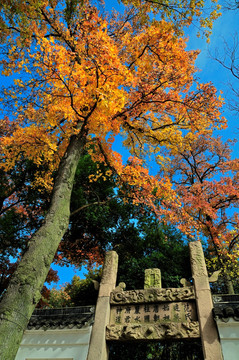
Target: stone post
(152, 278)
(208, 330)
(98, 348)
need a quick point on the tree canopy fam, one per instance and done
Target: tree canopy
(206, 178)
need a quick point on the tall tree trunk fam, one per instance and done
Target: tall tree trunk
(24, 289)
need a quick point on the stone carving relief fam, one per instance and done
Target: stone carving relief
(151, 295)
(153, 313)
(152, 278)
(153, 331)
(110, 268)
(197, 259)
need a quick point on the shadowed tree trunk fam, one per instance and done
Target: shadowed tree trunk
(23, 292)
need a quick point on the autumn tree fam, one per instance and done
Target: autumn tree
(82, 78)
(206, 179)
(183, 13)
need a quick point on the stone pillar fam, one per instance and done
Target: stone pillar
(98, 348)
(208, 330)
(152, 278)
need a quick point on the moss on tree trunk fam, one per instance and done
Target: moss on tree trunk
(24, 289)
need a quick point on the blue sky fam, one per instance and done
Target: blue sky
(224, 30)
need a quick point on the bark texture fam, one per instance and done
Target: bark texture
(23, 292)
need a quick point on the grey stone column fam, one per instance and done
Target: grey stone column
(208, 330)
(98, 348)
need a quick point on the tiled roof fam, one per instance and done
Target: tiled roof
(226, 307)
(77, 317)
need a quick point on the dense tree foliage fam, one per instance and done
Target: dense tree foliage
(159, 351)
(142, 246)
(206, 178)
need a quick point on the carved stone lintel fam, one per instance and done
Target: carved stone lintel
(152, 295)
(153, 331)
(154, 313)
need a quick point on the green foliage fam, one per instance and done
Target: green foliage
(148, 244)
(102, 221)
(22, 207)
(93, 215)
(70, 11)
(78, 292)
(180, 350)
(11, 225)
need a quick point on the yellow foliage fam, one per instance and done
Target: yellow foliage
(101, 78)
